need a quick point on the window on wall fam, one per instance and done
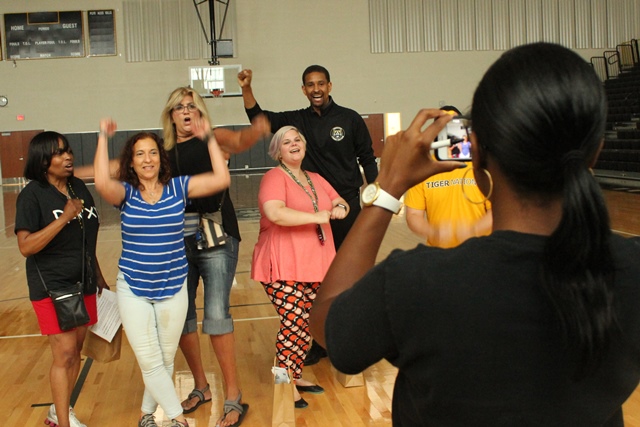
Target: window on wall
(460, 25)
(171, 30)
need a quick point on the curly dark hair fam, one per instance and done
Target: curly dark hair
(126, 172)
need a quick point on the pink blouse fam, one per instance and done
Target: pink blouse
(292, 253)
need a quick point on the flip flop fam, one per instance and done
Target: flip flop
(201, 400)
(235, 405)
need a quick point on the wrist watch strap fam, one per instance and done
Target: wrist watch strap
(373, 195)
(387, 201)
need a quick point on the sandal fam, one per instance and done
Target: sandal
(201, 400)
(235, 405)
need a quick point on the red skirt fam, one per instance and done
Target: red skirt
(48, 320)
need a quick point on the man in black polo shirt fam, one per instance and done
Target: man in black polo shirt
(338, 143)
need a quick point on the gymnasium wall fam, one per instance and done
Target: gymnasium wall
(275, 38)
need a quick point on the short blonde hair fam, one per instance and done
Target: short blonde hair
(176, 97)
(276, 141)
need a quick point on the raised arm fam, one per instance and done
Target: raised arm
(109, 188)
(234, 142)
(406, 161)
(244, 80)
(209, 183)
(253, 109)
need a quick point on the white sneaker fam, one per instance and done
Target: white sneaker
(52, 418)
(73, 420)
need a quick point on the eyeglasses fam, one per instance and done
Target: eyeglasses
(180, 108)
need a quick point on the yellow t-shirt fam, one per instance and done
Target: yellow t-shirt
(441, 198)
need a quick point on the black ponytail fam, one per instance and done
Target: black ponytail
(539, 113)
(578, 269)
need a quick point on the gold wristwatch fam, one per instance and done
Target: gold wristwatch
(373, 195)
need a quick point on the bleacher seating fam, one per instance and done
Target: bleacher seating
(620, 156)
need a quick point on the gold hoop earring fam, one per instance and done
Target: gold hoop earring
(464, 181)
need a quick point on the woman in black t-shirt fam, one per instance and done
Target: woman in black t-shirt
(53, 213)
(537, 323)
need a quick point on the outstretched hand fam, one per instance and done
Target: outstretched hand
(407, 159)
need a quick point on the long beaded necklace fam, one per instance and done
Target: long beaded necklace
(72, 195)
(86, 256)
(314, 198)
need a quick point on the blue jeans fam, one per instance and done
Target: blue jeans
(217, 267)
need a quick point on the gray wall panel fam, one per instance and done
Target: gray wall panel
(467, 24)
(414, 13)
(432, 26)
(501, 24)
(484, 24)
(533, 16)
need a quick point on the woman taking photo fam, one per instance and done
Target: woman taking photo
(539, 325)
(54, 214)
(295, 247)
(216, 265)
(152, 296)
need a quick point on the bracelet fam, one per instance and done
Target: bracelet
(342, 206)
(104, 133)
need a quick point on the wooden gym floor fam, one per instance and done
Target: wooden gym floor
(110, 394)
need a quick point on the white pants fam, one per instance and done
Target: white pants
(153, 329)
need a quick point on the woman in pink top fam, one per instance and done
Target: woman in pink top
(295, 247)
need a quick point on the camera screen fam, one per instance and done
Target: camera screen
(457, 134)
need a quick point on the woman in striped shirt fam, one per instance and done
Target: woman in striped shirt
(152, 298)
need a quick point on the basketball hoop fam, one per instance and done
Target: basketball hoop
(217, 93)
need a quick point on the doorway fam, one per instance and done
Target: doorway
(375, 124)
(14, 147)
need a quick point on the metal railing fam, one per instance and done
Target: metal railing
(614, 62)
(611, 65)
(599, 64)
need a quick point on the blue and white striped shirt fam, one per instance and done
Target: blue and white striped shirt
(153, 258)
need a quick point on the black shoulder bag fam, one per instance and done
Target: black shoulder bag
(210, 231)
(69, 301)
